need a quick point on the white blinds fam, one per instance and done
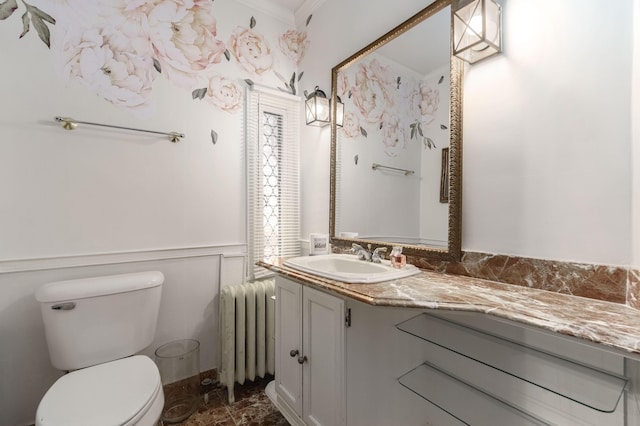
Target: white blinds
(272, 127)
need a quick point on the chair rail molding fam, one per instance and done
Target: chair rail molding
(61, 262)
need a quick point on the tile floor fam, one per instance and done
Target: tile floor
(252, 408)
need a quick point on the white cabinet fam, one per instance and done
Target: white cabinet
(289, 343)
(310, 355)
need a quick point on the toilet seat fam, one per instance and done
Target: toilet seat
(116, 393)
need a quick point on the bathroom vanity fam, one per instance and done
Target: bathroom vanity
(441, 349)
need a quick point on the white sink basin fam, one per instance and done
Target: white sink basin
(349, 269)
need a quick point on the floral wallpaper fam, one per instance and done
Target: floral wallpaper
(393, 104)
(118, 49)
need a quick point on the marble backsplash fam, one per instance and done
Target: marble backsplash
(603, 282)
(578, 279)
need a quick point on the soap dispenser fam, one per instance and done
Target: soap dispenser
(397, 259)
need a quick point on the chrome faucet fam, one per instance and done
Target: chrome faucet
(363, 254)
(366, 254)
(376, 256)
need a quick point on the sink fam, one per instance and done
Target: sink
(349, 269)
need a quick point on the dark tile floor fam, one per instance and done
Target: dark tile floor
(252, 408)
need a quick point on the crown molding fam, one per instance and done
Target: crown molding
(306, 9)
(295, 18)
(271, 9)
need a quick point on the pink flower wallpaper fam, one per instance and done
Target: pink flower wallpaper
(388, 103)
(118, 49)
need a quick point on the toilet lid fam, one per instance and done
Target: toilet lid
(109, 394)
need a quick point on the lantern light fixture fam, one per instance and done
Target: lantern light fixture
(476, 29)
(317, 108)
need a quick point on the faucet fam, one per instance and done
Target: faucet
(363, 254)
(376, 256)
(366, 254)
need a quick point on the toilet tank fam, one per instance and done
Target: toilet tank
(90, 321)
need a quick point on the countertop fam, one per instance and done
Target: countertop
(613, 325)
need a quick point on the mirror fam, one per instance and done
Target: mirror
(396, 168)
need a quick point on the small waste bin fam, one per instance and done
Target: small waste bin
(179, 365)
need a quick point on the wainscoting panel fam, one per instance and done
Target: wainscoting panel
(189, 309)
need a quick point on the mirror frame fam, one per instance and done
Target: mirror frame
(453, 252)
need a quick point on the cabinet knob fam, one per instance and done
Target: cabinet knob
(302, 359)
(293, 353)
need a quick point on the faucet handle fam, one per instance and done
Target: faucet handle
(362, 253)
(376, 257)
(355, 248)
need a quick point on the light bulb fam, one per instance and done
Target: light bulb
(490, 32)
(476, 24)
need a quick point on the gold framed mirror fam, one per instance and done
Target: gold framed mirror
(390, 180)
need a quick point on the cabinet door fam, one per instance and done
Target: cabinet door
(324, 369)
(289, 341)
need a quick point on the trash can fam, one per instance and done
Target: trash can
(179, 365)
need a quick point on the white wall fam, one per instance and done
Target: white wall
(124, 201)
(96, 190)
(547, 135)
(547, 128)
(635, 140)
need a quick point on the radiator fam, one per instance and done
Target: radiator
(247, 333)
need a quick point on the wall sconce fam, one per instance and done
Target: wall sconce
(476, 29)
(317, 108)
(318, 112)
(339, 111)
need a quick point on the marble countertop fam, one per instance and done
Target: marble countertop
(614, 325)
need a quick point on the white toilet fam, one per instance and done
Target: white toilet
(93, 326)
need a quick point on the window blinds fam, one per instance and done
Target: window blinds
(272, 127)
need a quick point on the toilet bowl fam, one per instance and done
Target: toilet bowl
(94, 327)
(125, 392)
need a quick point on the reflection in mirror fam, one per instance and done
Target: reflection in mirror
(402, 125)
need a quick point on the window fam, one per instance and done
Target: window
(273, 190)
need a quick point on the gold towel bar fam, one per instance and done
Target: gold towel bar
(70, 124)
(406, 172)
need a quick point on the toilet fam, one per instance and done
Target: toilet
(94, 327)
